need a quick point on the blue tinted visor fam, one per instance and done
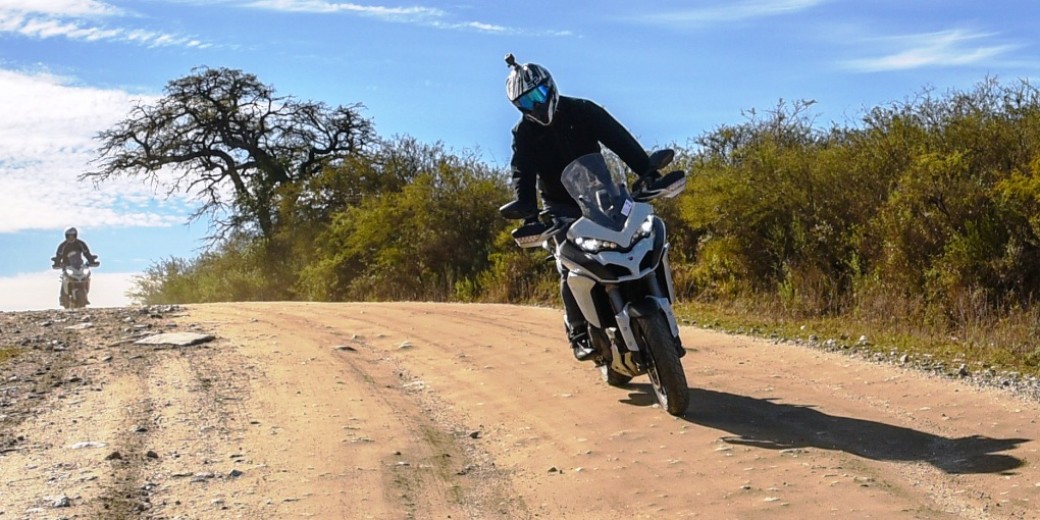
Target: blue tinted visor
(533, 98)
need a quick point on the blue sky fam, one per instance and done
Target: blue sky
(434, 70)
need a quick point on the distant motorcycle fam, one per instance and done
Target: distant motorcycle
(616, 256)
(75, 280)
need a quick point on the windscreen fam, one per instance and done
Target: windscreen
(602, 198)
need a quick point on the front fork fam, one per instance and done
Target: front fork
(631, 360)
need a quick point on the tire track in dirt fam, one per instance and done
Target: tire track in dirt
(425, 464)
(771, 428)
(415, 410)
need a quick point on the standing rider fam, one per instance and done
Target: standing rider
(72, 244)
(554, 131)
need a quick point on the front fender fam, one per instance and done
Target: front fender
(645, 307)
(651, 305)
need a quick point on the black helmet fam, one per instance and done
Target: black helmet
(531, 89)
(71, 233)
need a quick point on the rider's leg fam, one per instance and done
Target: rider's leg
(575, 324)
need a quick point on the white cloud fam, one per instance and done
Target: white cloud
(59, 7)
(427, 16)
(732, 11)
(938, 49)
(69, 19)
(39, 291)
(321, 6)
(47, 141)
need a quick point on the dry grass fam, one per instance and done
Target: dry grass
(1008, 341)
(8, 353)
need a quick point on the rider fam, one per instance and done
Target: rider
(554, 131)
(72, 244)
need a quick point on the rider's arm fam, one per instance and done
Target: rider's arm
(615, 136)
(524, 176)
(86, 251)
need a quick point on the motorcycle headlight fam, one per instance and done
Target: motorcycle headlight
(594, 245)
(645, 229)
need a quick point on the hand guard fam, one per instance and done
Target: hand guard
(653, 185)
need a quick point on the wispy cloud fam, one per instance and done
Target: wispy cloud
(60, 7)
(417, 15)
(79, 20)
(731, 11)
(950, 48)
(47, 140)
(321, 6)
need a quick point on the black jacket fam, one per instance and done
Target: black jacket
(65, 247)
(578, 128)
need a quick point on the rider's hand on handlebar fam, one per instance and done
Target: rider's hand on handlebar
(645, 181)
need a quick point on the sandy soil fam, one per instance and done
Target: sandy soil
(438, 411)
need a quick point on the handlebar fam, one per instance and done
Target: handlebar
(96, 263)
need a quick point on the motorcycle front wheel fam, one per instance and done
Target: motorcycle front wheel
(665, 370)
(78, 299)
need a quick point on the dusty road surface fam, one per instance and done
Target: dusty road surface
(411, 410)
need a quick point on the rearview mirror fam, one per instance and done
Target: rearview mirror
(661, 158)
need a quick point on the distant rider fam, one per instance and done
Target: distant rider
(554, 131)
(72, 244)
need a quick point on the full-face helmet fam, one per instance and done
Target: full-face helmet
(531, 89)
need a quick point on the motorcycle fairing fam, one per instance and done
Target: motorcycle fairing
(588, 228)
(616, 266)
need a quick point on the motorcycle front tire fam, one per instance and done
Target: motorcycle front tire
(665, 370)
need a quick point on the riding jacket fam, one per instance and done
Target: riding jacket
(540, 153)
(66, 247)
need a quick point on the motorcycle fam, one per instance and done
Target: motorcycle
(75, 280)
(616, 259)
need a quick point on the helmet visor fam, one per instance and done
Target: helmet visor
(531, 99)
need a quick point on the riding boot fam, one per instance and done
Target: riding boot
(576, 326)
(581, 344)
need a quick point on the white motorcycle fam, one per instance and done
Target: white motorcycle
(616, 259)
(75, 280)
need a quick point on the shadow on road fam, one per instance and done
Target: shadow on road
(765, 423)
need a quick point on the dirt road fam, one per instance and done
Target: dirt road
(410, 410)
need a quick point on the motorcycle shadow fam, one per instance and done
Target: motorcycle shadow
(765, 423)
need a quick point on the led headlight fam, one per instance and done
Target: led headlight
(594, 245)
(645, 229)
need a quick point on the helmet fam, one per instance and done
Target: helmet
(71, 232)
(531, 89)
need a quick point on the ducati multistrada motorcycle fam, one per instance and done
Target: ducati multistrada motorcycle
(616, 259)
(75, 280)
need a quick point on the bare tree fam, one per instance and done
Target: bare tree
(224, 136)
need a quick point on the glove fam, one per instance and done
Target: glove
(645, 181)
(518, 210)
